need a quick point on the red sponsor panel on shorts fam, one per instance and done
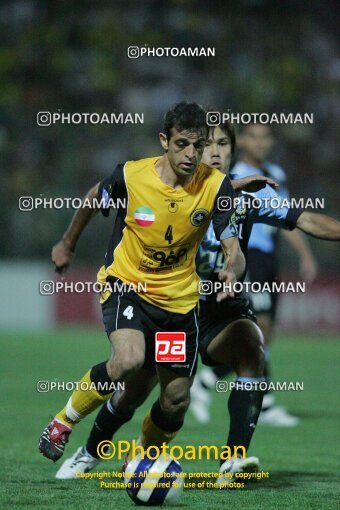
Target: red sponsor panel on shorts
(170, 346)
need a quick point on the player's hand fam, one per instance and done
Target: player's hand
(229, 279)
(308, 269)
(253, 183)
(62, 256)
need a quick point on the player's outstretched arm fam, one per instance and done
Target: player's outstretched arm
(253, 183)
(319, 226)
(235, 266)
(62, 252)
(308, 264)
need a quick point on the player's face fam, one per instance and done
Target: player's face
(256, 141)
(184, 150)
(217, 152)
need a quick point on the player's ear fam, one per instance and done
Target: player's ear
(164, 141)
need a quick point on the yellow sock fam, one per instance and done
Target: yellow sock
(153, 435)
(81, 403)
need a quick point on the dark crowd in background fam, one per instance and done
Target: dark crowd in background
(271, 56)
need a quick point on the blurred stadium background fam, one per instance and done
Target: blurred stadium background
(271, 56)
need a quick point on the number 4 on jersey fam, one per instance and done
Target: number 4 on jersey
(128, 312)
(168, 234)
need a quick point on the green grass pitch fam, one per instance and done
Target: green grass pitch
(303, 462)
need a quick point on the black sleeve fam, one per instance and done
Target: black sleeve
(292, 216)
(111, 189)
(224, 209)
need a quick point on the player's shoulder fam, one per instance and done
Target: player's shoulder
(207, 176)
(242, 169)
(140, 164)
(276, 172)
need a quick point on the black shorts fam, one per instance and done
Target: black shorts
(214, 317)
(263, 268)
(129, 310)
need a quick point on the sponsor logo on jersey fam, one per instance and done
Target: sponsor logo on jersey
(198, 217)
(173, 207)
(240, 212)
(160, 259)
(144, 216)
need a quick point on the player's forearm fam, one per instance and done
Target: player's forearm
(298, 243)
(239, 184)
(319, 226)
(253, 183)
(80, 219)
(235, 260)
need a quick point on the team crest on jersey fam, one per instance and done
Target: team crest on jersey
(144, 216)
(198, 217)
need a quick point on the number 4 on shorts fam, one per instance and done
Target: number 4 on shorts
(128, 312)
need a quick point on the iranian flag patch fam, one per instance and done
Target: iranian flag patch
(144, 216)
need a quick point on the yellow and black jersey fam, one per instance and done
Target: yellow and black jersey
(158, 230)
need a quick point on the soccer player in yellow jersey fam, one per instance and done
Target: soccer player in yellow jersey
(170, 201)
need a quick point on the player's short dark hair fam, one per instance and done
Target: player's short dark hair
(227, 128)
(185, 116)
(242, 127)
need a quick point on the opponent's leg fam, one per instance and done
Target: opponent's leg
(204, 383)
(240, 345)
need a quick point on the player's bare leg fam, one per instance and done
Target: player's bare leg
(127, 356)
(205, 382)
(166, 417)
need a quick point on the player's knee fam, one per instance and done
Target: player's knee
(250, 350)
(127, 406)
(255, 357)
(175, 406)
(125, 361)
(129, 401)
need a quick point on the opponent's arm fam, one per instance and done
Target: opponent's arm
(227, 233)
(253, 183)
(308, 265)
(319, 226)
(62, 252)
(235, 266)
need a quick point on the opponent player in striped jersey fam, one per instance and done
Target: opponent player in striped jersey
(255, 141)
(229, 333)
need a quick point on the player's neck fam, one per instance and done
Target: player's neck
(257, 163)
(168, 176)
